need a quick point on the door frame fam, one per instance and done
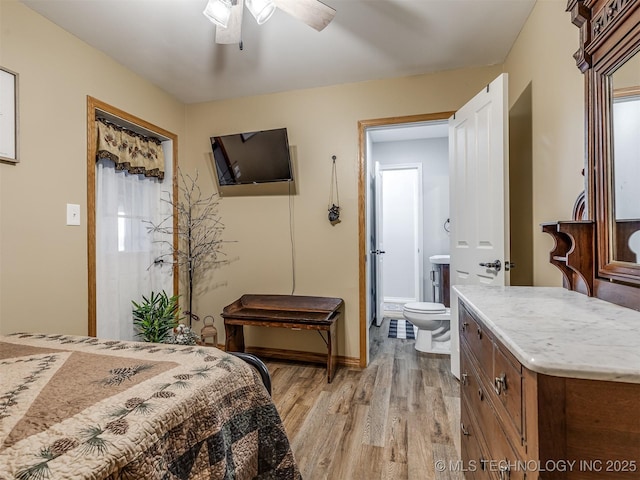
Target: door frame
(93, 105)
(363, 125)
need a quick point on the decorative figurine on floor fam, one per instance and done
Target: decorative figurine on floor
(209, 333)
(183, 335)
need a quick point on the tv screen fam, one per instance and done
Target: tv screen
(252, 157)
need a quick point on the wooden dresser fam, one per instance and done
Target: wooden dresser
(546, 391)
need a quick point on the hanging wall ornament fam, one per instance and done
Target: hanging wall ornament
(334, 204)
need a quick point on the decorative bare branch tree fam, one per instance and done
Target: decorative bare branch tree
(199, 232)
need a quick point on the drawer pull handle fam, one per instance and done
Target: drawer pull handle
(480, 394)
(479, 333)
(464, 378)
(505, 472)
(464, 326)
(500, 383)
(464, 429)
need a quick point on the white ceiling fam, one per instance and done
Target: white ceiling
(171, 43)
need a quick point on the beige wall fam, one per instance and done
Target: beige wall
(628, 75)
(1, 170)
(542, 57)
(521, 190)
(43, 285)
(321, 122)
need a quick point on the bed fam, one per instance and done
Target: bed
(85, 408)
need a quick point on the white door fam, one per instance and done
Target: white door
(374, 257)
(378, 246)
(478, 162)
(401, 224)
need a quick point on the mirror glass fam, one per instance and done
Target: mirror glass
(625, 162)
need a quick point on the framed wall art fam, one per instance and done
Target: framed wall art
(8, 116)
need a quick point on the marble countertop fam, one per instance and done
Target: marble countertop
(558, 332)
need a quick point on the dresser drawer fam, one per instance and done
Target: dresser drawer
(504, 463)
(491, 389)
(507, 387)
(496, 458)
(474, 458)
(499, 374)
(474, 393)
(478, 340)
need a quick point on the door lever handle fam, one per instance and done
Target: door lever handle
(497, 265)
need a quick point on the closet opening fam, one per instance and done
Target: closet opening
(120, 250)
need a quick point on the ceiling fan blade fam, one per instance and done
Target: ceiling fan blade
(233, 32)
(312, 12)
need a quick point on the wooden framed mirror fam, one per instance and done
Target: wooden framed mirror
(613, 103)
(622, 204)
(600, 256)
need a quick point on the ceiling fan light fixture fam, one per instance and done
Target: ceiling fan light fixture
(261, 9)
(218, 11)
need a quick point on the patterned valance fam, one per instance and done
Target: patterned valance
(130, 151)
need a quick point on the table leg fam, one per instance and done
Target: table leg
(234, 341)
(332, 352)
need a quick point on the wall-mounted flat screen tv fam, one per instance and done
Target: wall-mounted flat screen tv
(252, 157)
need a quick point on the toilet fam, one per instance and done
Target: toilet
(434, 326)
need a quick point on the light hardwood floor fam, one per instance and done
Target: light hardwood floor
(393, 420)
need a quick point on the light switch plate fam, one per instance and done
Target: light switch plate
(73, 214)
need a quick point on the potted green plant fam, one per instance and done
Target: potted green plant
(155, 317)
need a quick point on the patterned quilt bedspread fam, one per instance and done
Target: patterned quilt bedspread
(85, 408)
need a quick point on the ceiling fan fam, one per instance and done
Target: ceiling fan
(227, 15)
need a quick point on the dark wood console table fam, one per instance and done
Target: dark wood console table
(284, 311)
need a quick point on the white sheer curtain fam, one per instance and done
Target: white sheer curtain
(125, 251)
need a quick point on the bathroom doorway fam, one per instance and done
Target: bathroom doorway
(407, 210)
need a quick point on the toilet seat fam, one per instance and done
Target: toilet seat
(425, 307)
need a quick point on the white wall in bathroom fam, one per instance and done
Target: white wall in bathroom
(433, 154)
